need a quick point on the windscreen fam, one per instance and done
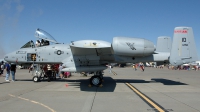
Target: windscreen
(29, 44)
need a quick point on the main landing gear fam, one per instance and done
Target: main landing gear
(97, 79)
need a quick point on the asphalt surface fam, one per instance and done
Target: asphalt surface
(128, 91)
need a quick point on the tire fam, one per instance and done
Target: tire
(36, 79)
(95, 80)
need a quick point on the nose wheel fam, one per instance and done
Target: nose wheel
(36, 79)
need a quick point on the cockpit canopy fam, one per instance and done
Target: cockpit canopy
(41, 34)
(45, 39)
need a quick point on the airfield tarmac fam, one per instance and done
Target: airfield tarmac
(128, 91)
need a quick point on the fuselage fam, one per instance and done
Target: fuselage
(58, 52)
(44, 54)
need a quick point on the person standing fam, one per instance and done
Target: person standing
(57, 69)
(60, 71)
(30, 68)
(13, 71)
(1, 68)
(135, 66)
(49, 72)
(8, 71)
(141, 65)
(110, 68)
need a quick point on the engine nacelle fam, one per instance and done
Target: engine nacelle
(132, 46)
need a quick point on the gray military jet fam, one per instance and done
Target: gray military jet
(94, 55)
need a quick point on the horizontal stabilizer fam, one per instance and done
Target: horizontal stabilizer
(163, 44)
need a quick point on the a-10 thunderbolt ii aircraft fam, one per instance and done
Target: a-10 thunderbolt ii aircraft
(94, 55)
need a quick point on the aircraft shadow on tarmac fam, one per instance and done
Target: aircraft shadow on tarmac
(109, 83)
(168, 82)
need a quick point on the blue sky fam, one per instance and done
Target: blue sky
(72, 20)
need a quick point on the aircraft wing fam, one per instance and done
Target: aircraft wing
(87, 55)
(90, 47)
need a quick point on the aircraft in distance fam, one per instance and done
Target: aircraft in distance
(94, 55)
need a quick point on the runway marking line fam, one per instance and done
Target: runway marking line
(32, 101)
(145, 98)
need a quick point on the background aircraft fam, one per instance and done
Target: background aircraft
(93, 55)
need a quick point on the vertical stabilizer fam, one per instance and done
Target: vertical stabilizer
(183, 46)
(163, 44)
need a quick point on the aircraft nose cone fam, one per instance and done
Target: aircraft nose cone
(8, 57)
(5, 58)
